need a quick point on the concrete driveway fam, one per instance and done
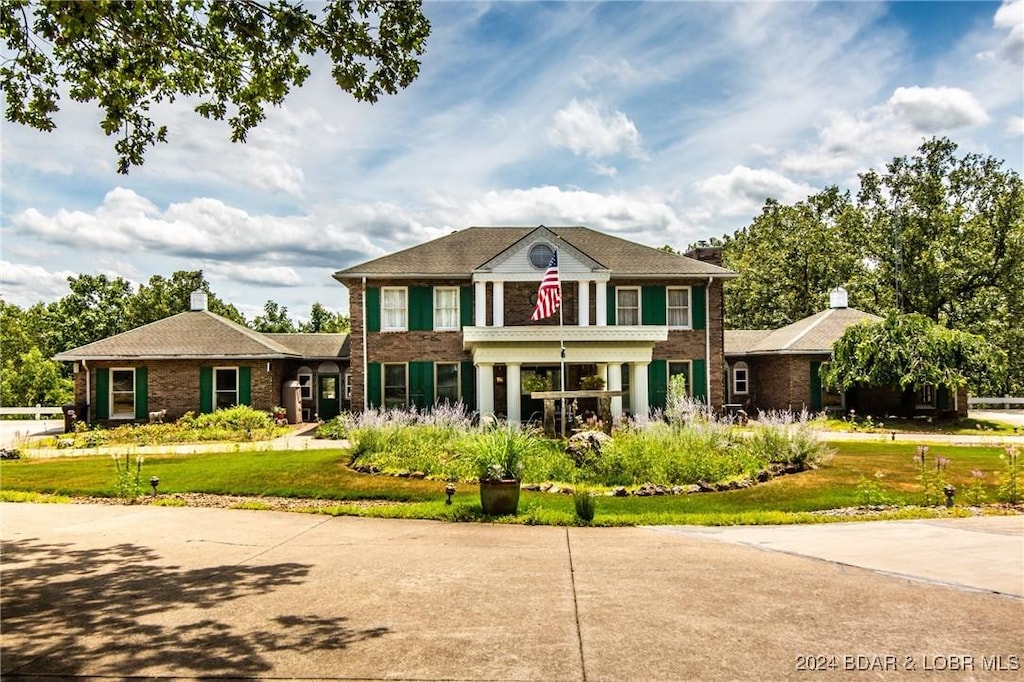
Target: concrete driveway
(185, 592)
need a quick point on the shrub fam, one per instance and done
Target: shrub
(128, 481)
(237, 418)
(1010, 483)
(585, 505)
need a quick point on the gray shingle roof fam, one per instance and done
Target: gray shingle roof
(196, 334)
(460, 253)
(812, 335)
(314, 346)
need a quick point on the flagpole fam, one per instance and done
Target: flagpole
(561, 344)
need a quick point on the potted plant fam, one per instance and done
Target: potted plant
(535, 382)
(499, 456)
(593, 382)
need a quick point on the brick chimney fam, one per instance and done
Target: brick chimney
(706, 254)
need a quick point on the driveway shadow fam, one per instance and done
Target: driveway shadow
(119, 611)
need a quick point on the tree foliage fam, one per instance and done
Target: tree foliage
(323, 321)
(938, 233)
(231, 58)
(274, 320)
(911, 351)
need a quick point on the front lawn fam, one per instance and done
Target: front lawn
(956, 427)
(325, 475)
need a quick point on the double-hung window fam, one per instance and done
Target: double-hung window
(225, 387)
(446, 308)
(627, 308)
(446, 383)
(677, 312)
(394, 309)
(305, 384)
(122, 394)
(396, 393)
(740, 379)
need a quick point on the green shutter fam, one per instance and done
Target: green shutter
(699, 376)
(611, 304)
(206, 390)
(102, 406)
(653, 304)
(657, 383)
(245, 386)
(698, 307)
(466, 305)
(421, 309)
(373, 309)
(373, 385)
(421, 384)
(815, 386)
(942, 400)
(141, 393)
(468, 379)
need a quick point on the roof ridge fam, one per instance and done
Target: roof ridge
(254, 335)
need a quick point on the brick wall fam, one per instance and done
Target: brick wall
(174, 384)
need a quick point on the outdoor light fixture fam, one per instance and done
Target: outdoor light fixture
(155, 481)
(893, 435)
(949, 491)
(449, 490)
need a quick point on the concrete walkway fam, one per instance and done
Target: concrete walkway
(186, 593)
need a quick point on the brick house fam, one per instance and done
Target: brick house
(450, 320)
(777, 369)
(198, 361)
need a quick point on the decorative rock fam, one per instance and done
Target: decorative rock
(533, 487)
(417, 474)
(553, 489)
(619, 491)
(567, 490)
(544, 487)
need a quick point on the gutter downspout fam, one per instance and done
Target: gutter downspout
(366, 362)
(707, 338)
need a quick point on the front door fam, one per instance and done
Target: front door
(328, 396)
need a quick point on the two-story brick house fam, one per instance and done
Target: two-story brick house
(450, 320)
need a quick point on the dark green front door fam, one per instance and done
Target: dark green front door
(328, 396)
(815, 386)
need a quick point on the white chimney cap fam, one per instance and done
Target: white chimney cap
(197, 301)
(838, 298)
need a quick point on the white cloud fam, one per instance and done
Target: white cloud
(1015, 126)
(742, 191)
(1010, 17)
(24, 285)
(586, 128)
(856, 141)
(261, 275)
(932, 110)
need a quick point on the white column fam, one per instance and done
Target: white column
(513, 391)
(601, 301)
(584, 303)
(480, 298)
(485, 388)
(498, 292)
(638, 389)
(614, 383)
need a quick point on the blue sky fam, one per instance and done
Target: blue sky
(664, 123)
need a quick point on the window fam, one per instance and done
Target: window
(395, 386)
(627, 305)
(394, 309)
(740, 379)
(680, 369)
(122, 394)
(540, 255)
(678, 307)
(446, 308)
(926, 396)
(305, 383)
(348, 385)
(225, 387)
(446, 382)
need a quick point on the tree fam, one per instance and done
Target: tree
(274, 320)
(911, 351)
(790, 258)
(232, 57)
(163, 297)
(95, 309)
(31, 379)
(322, 320)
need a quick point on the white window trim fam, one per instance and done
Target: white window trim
(689, 375)
(458, 311)
(110, 395)
(348, 386)
(308, 387)
(215, 391)
(383, 317)
(741, 367)
(689, 307)
(639, 305)
(931, 391)
(384, 382)
(458, 380)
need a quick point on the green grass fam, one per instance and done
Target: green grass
(957, 427)
(323, 474)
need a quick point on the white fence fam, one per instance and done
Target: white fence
(1005, 402)
(37, 412)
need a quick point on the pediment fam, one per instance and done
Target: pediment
(526, 258)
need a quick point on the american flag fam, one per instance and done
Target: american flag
(549, 296)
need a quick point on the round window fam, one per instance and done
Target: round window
(540, 255)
